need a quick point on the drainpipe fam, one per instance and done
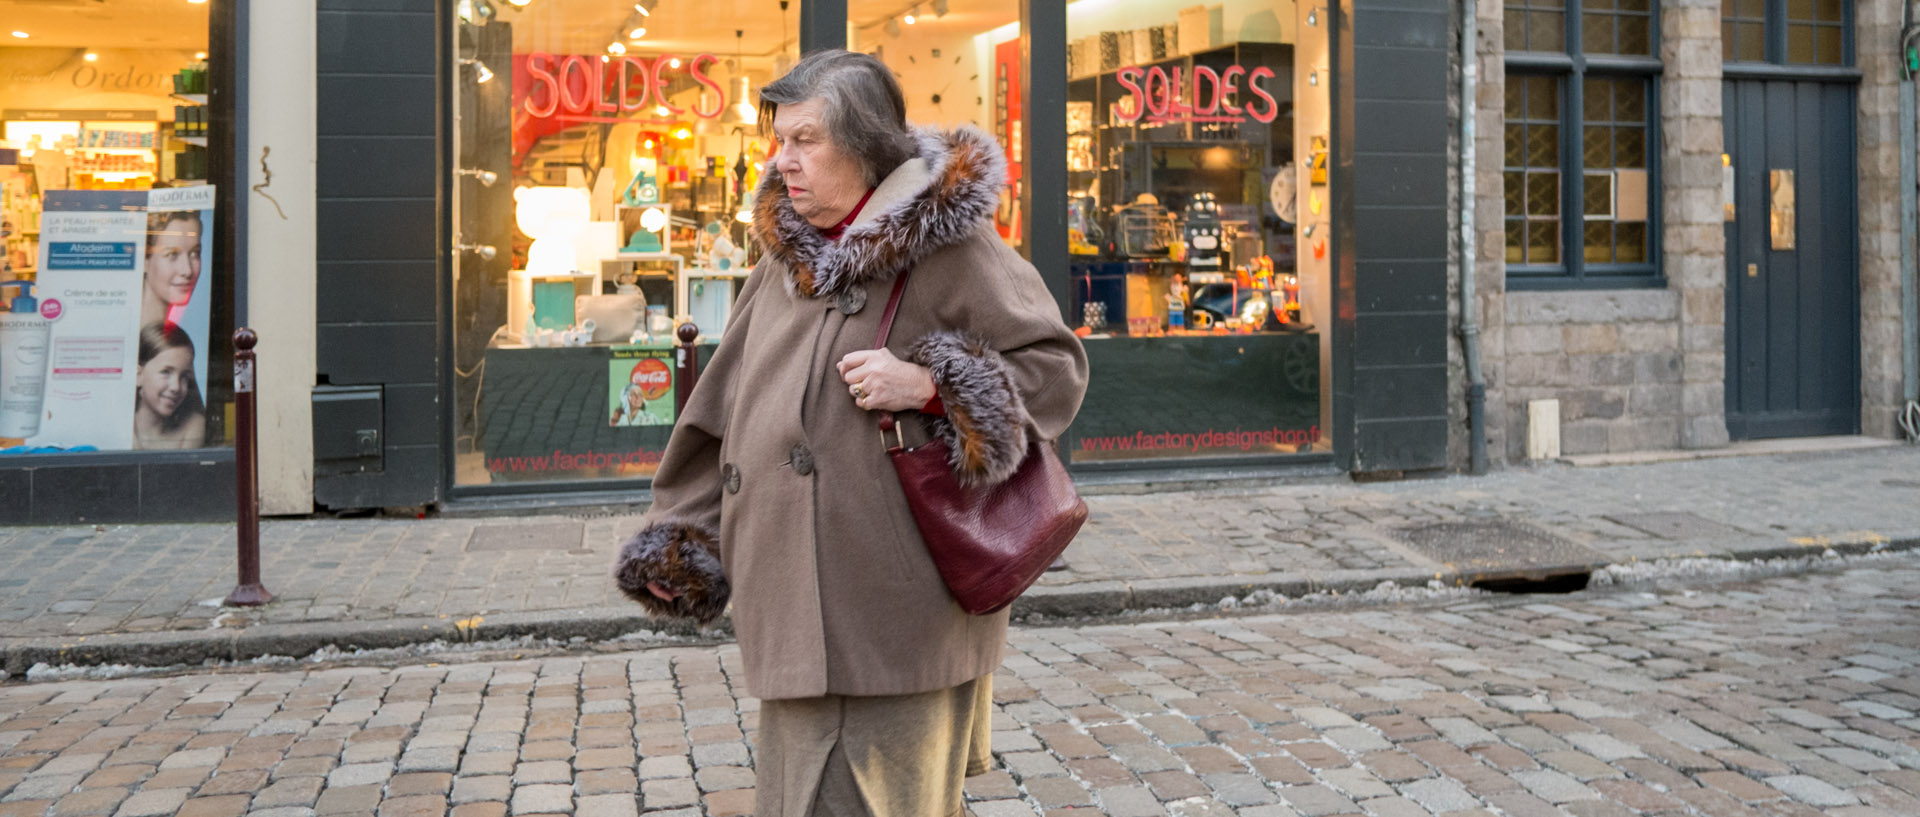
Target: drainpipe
(1469, 256)
(1909, 417)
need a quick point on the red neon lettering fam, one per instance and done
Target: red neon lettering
(1253, 84)
(628, 83)
(1176, 90)
(600, 101)
(1228, 90)
(542, 80)
(1155, 73)
(1206, 103)
(661, 65)
(698, 70)
(1128, 78)
(575, 102)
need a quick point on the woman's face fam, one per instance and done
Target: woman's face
(164, 380)
(173, 262)
(823, 182)
(635, 401)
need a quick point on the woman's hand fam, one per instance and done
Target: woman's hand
(878, 381)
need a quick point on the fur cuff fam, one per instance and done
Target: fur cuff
(986, 421)
(679, 556)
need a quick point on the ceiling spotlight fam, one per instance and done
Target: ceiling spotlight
(1313, 77)
(645, 7)
(21, 34)
(199, 55)
(1313, 17)
(519, 3)
(912, 16)
(616, 48)
(660, 110)
(939, 8)
(893, 27)
(673, 62)
(91, 57)
(196, 2)
(636, 33)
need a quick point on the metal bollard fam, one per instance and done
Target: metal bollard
(249, 592)
(686, 366)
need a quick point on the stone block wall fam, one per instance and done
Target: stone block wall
(1611, 358)
(1877, 23)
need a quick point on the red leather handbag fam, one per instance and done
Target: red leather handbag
(989, 542)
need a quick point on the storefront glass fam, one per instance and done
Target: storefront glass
(113, 313)
(958, 62)
(1199, 226)
(606, 153)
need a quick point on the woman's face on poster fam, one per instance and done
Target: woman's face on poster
(164, 381)
(173, 262)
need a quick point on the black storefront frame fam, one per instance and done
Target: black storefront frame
(823, 25)
(196, 485)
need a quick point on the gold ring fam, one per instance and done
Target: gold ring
(859, 392)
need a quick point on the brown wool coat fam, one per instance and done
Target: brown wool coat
(775, 469)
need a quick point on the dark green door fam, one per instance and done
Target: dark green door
(1792, 261)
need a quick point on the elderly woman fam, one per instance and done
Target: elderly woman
(776, 489)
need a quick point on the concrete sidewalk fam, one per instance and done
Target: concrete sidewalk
(149, 594)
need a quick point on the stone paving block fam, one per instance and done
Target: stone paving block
(1316, 801)
(655, 768)
(995, 785)
(606, 781)
(1812, 791)
(668, 793)
(90, 803)
(226, 805)
(1240, 789)
(153, 803)
(1002, 808)
(1129, 801)
(359, 774)
(293, 791)
(607, 805)
(542, 798)
(482, 788)
(722, 778)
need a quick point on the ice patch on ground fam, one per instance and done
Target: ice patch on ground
(1635, 574)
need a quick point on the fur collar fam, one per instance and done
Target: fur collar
(929, 203)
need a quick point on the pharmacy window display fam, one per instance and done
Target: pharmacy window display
(1199, 226)
(108, 289)
(607, 154)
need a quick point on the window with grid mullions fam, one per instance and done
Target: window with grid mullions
(1787, 32)
(1581, 157)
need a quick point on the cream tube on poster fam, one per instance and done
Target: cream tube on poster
(23, 364)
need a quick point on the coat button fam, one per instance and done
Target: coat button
(851, 301)
(730, 477)
(802, 460)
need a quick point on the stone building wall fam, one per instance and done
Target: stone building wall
(1876, 27)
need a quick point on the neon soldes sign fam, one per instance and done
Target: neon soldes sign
(591, 89)
(1163, 96)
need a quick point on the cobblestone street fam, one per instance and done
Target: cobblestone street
(1785, 696)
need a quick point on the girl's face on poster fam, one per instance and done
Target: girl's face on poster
(164, 380)
(173, 262)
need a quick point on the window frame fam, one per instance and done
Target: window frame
(1571, 69)
(1776, 27)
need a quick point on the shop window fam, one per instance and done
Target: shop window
(605, 159)
(1790, 32)
(114, 316)
(1199, 225)
(1578, 170)
(958, 62)
(1536, 25)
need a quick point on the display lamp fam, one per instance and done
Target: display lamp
(553, 217)
(745, 216)
(647, 238)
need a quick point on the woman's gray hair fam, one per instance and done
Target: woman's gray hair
(865, 113)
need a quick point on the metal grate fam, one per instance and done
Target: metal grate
(1498, 550)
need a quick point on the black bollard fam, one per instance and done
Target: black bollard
(249, 592)
(686, 366)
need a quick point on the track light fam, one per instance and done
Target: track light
(913, 16)
(485, 251)
(485, 177)
(616, 48)
(1313, 77)
(520, 3)
(1313, 17)
(939, 8)
(481, 73)
(636, 33)
(893, 27)
(90, 57)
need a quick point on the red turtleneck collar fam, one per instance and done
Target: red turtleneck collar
(833, 233)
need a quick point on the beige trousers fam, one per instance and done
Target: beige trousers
(872, 756)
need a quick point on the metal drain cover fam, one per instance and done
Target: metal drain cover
(537, 536)
(1676, 525)
(1501, 549)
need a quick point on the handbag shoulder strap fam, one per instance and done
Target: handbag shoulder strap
(886, 328)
